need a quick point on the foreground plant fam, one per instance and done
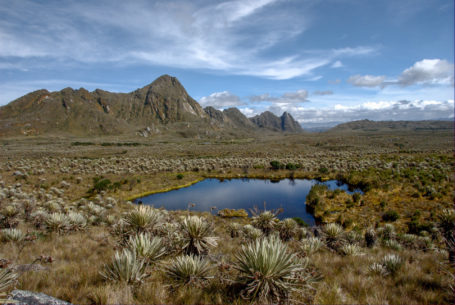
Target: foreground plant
(189, 270)
(125, 267)
(269, 272)
(196, 233)
(143, 219)
(12, 235)
(7, 278)
(311, 245)
(57, 222)
(146, 247)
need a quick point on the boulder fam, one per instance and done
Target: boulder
(24, 297)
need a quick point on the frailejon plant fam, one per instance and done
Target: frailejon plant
(266, 221)
(12, 235)
(196, 234)
(57, 222)
(392, 263)
(251, 232)
(311, 245)
(370, 237)
(143, 219)
(351, 250)
(76, 221)
(269, 272)
(146, 247)
(287, 228)
(125, 267)
(333, 235)
(189, 270)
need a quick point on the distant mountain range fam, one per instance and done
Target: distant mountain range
(162, 106)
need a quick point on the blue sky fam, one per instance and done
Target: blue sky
(321, 60)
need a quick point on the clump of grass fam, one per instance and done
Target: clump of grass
(146, 247)
(196, 234)
(12, 235)
(125, 267)
(7, 278)
(269, 272)
(189, 270)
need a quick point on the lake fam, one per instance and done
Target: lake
(244, 194)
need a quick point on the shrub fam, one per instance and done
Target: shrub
(147, 248)
(269, 272)
(356, 197)
(196, 233)
(179, 176)
(125, 267)
(300, 222)
(189, 270)
(390, 215)
(276, 165)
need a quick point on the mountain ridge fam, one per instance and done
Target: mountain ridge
(164, 102)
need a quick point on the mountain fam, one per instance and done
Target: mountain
(162, 106)
(272, 122)
(369, 126)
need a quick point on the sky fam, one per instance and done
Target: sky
(323, 61)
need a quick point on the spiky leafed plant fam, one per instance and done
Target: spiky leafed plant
(392, 244)
(377, 269)
(446, 221)
(196, 233)
(287, 228)
(351, 250)
(311, 245)
(143, 219)
(392, 263)
(269, 272)
(266, 221)
(189, 270)
(146, 247)
(234, 229)
(125, 267)
(76, 221)
(57, 222)
(12, 235)
(333, 235)
(251, 232)
(7, 278)
(387, 232)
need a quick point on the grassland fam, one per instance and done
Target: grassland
(407, 179)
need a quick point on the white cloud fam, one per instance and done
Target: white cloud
(298, 96)
(325, 92)
(337, 64)
(424, 72)
(366, 80)
(428, 71)
(223, 99)
(375, 110)
(231, 36)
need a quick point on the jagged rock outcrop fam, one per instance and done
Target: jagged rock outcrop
(272, 122)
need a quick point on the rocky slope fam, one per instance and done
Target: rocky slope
(272, 122)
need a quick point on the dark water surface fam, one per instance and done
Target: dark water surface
(243, 194)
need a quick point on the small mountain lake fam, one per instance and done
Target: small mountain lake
(244, 194)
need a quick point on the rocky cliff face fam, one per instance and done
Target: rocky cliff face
(163, 103)
(272, 122)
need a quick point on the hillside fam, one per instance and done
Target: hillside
(372, 126)
(162, 106)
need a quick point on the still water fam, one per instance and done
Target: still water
(243, 194)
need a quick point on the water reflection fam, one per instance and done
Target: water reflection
(243, 194)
